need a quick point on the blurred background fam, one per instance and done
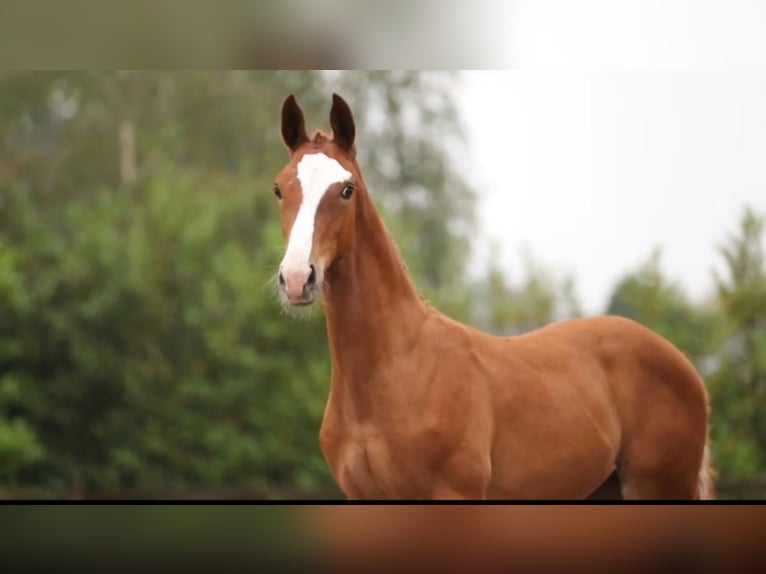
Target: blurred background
(143, 353)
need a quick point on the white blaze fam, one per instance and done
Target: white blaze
(316, 173)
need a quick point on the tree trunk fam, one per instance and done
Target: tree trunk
(127, 147)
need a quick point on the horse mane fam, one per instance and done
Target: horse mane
(400, 259)
(398, 255)
(397, 251)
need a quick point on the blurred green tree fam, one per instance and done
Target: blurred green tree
(539, 297)
(739, 383)
(142, 348)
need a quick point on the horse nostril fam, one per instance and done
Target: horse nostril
(281, 279)
(312, 276)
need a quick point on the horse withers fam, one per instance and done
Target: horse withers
(423, 407)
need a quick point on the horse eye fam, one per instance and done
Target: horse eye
(347, 190)
(277, 192)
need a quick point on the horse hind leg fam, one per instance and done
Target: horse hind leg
(652, 472)
(657, 487)
(662, 455)
(637, 488)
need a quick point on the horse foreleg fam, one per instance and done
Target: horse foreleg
(464, 476)
(445, 491)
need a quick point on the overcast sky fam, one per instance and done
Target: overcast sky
(625, 125)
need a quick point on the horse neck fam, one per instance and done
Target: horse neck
(372, 307)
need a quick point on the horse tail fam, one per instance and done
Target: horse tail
(705, 486)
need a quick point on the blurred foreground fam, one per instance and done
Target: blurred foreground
(372, 539)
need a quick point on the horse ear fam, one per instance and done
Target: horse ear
(293, 124)
(342, 123)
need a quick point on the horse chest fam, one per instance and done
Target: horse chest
(369, 466)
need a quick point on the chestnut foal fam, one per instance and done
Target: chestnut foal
(421, 406)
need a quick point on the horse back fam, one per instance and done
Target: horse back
(645, 372)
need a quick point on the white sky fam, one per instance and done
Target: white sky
(626, 125)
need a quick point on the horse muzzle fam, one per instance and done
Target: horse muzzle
(299, 284)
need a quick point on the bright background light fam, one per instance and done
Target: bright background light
(626, 125)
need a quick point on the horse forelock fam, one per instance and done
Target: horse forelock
(320, 137)
(322, 142)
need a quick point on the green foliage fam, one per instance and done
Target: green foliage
(539, 298)
(152, 354)
(142, 348)
(19, 449)
(739, 385)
